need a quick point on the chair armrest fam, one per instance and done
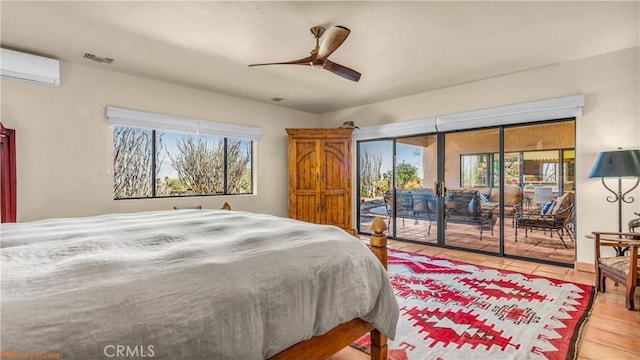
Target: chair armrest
(625, 234)
(562, 213)
(615, 241)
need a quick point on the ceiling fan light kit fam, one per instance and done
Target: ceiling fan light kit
(319, 55)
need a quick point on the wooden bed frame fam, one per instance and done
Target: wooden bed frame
(323, 346)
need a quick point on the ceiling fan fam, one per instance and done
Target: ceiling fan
(319, 55)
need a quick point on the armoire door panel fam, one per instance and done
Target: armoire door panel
(320, 176)
(334, 210)
(306, 208)
(306, 174)
(335, 170)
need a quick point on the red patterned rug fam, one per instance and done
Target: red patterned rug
(450, 310)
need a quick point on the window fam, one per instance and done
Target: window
(151, 163)
(161, 156)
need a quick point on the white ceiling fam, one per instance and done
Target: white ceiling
(401, 48)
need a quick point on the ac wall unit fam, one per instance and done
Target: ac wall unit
(30, 68)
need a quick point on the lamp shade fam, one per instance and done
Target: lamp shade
(617, 163)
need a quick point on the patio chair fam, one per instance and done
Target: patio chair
(404, 206)
(464, 207)
(425, 206)
(559, 219)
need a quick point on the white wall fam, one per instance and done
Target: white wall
(64, 149)
(611, 119)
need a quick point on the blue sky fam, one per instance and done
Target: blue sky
(404, 153)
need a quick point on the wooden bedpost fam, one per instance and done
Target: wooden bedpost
(226, 206)
(378, 244)
(378, 240)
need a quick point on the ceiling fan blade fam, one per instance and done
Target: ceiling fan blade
(342, 71)
(332, 40)
(304, 61)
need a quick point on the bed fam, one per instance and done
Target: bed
(191, 284)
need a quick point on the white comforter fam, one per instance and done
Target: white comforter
(184, 284)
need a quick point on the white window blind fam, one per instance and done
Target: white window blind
(147, 120)
(540, 110)
(397, 129)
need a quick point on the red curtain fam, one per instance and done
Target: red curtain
(7, 175)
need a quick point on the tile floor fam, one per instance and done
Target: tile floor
(612, 331)
(536, 245)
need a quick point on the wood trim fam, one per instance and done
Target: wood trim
(8, 178)
(323, 346)
(319, 133)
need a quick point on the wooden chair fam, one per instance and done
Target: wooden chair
(621, 269)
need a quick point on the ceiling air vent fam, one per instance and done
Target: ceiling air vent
(99, 59)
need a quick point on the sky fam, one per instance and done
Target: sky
(404, 153)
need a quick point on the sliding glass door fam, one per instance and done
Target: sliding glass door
(544, 225)
(396, 179)
(506, 190)
(415, 174)
(472, 196)
(375, 177)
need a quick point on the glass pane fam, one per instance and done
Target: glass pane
(132, 162)
(511, 169)
(238, 166)
(541, 169)
(475, 170)
(189, 164)
(547, 169)
(472, 200)
(568, 170)
(376, 199)
(415, 175)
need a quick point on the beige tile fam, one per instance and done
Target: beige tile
(548, 274)
(553, 269)
(580, 277)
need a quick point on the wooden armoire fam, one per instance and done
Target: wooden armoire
(320, 176)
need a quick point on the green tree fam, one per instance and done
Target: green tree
(405, 174)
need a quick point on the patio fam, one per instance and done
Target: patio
(538, 244)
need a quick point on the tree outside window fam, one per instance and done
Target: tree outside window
(149, 163)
